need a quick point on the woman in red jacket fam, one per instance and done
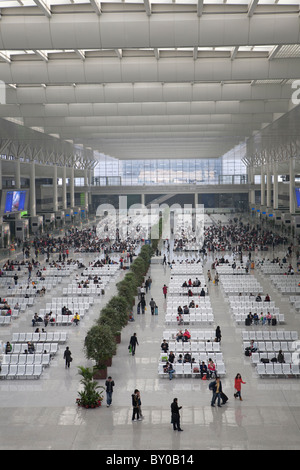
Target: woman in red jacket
(238, 386)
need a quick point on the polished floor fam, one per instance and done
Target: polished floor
(42, 415)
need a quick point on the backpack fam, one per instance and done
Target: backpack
(211, 386)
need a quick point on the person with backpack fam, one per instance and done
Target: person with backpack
(216, 388)
(152, 304)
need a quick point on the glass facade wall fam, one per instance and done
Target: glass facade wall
(228, 169)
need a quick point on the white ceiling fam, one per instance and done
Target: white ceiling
(149, 79)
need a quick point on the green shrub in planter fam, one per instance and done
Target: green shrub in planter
(100, 345)
(127, 288)
(120, 305)
(109, 317)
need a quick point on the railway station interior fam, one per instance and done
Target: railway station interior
(169, 127)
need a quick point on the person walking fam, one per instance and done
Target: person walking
(218, 334)
(238, 386)
(175, 416)
(165, 290)
(68, 357)
(216, 388)
(152, 306)
(109, 390)
(133, 342)
(135, 406)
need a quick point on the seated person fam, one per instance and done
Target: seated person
(179, 319)
(267, 298)
(171, 357)
(186, 310)
(164, 346)
(179, 310)
(280, 357)
(180, 360)
(179, 335)
(202, 293)
(192, 304)
(211, 368)
(187, 358)
(203, 369)
(258, 298)
(186, 335)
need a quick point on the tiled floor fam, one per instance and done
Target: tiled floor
(41, 414)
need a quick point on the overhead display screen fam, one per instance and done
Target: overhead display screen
(15, 201)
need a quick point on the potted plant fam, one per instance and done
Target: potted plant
(100, 346)
(120, 305)
(109, 316)
(90, 396)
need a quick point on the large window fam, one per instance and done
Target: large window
(227, 169)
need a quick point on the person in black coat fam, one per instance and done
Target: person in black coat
(175, 415)
(133, 343)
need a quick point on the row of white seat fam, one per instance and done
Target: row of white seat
(275, 335)
(190, 318)
(270, 346)
(277, 369)
(4, 321)
(24, 371)
(26, 359)
(188, 370)
(57, 336)
(200, 309)
(201, 346)
(240, 318)
(40, 348)
(202, 335)
(257, 357)
(177, 300)
(84, 291)
(61, 320)
(197, 357)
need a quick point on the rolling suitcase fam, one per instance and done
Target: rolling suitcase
(156, 311)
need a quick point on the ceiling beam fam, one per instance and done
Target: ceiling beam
(44, 7)
(251, 7)
(5, 57)
(96, 5)
(147, 5)
(80, 53)
(42, 55)
(234, 52)
(200, 7)
(274, 52)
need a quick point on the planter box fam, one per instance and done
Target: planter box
(100, 374)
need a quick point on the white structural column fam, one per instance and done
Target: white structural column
(143, 199)
(72, 190)
(18, 174)
(196, 200)
(32, 190)
(262, 187)
(269, 185)
(250, 171)
(292, 185)
(275, 186)
(64, 188)
(55, 198)
(86, 184)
